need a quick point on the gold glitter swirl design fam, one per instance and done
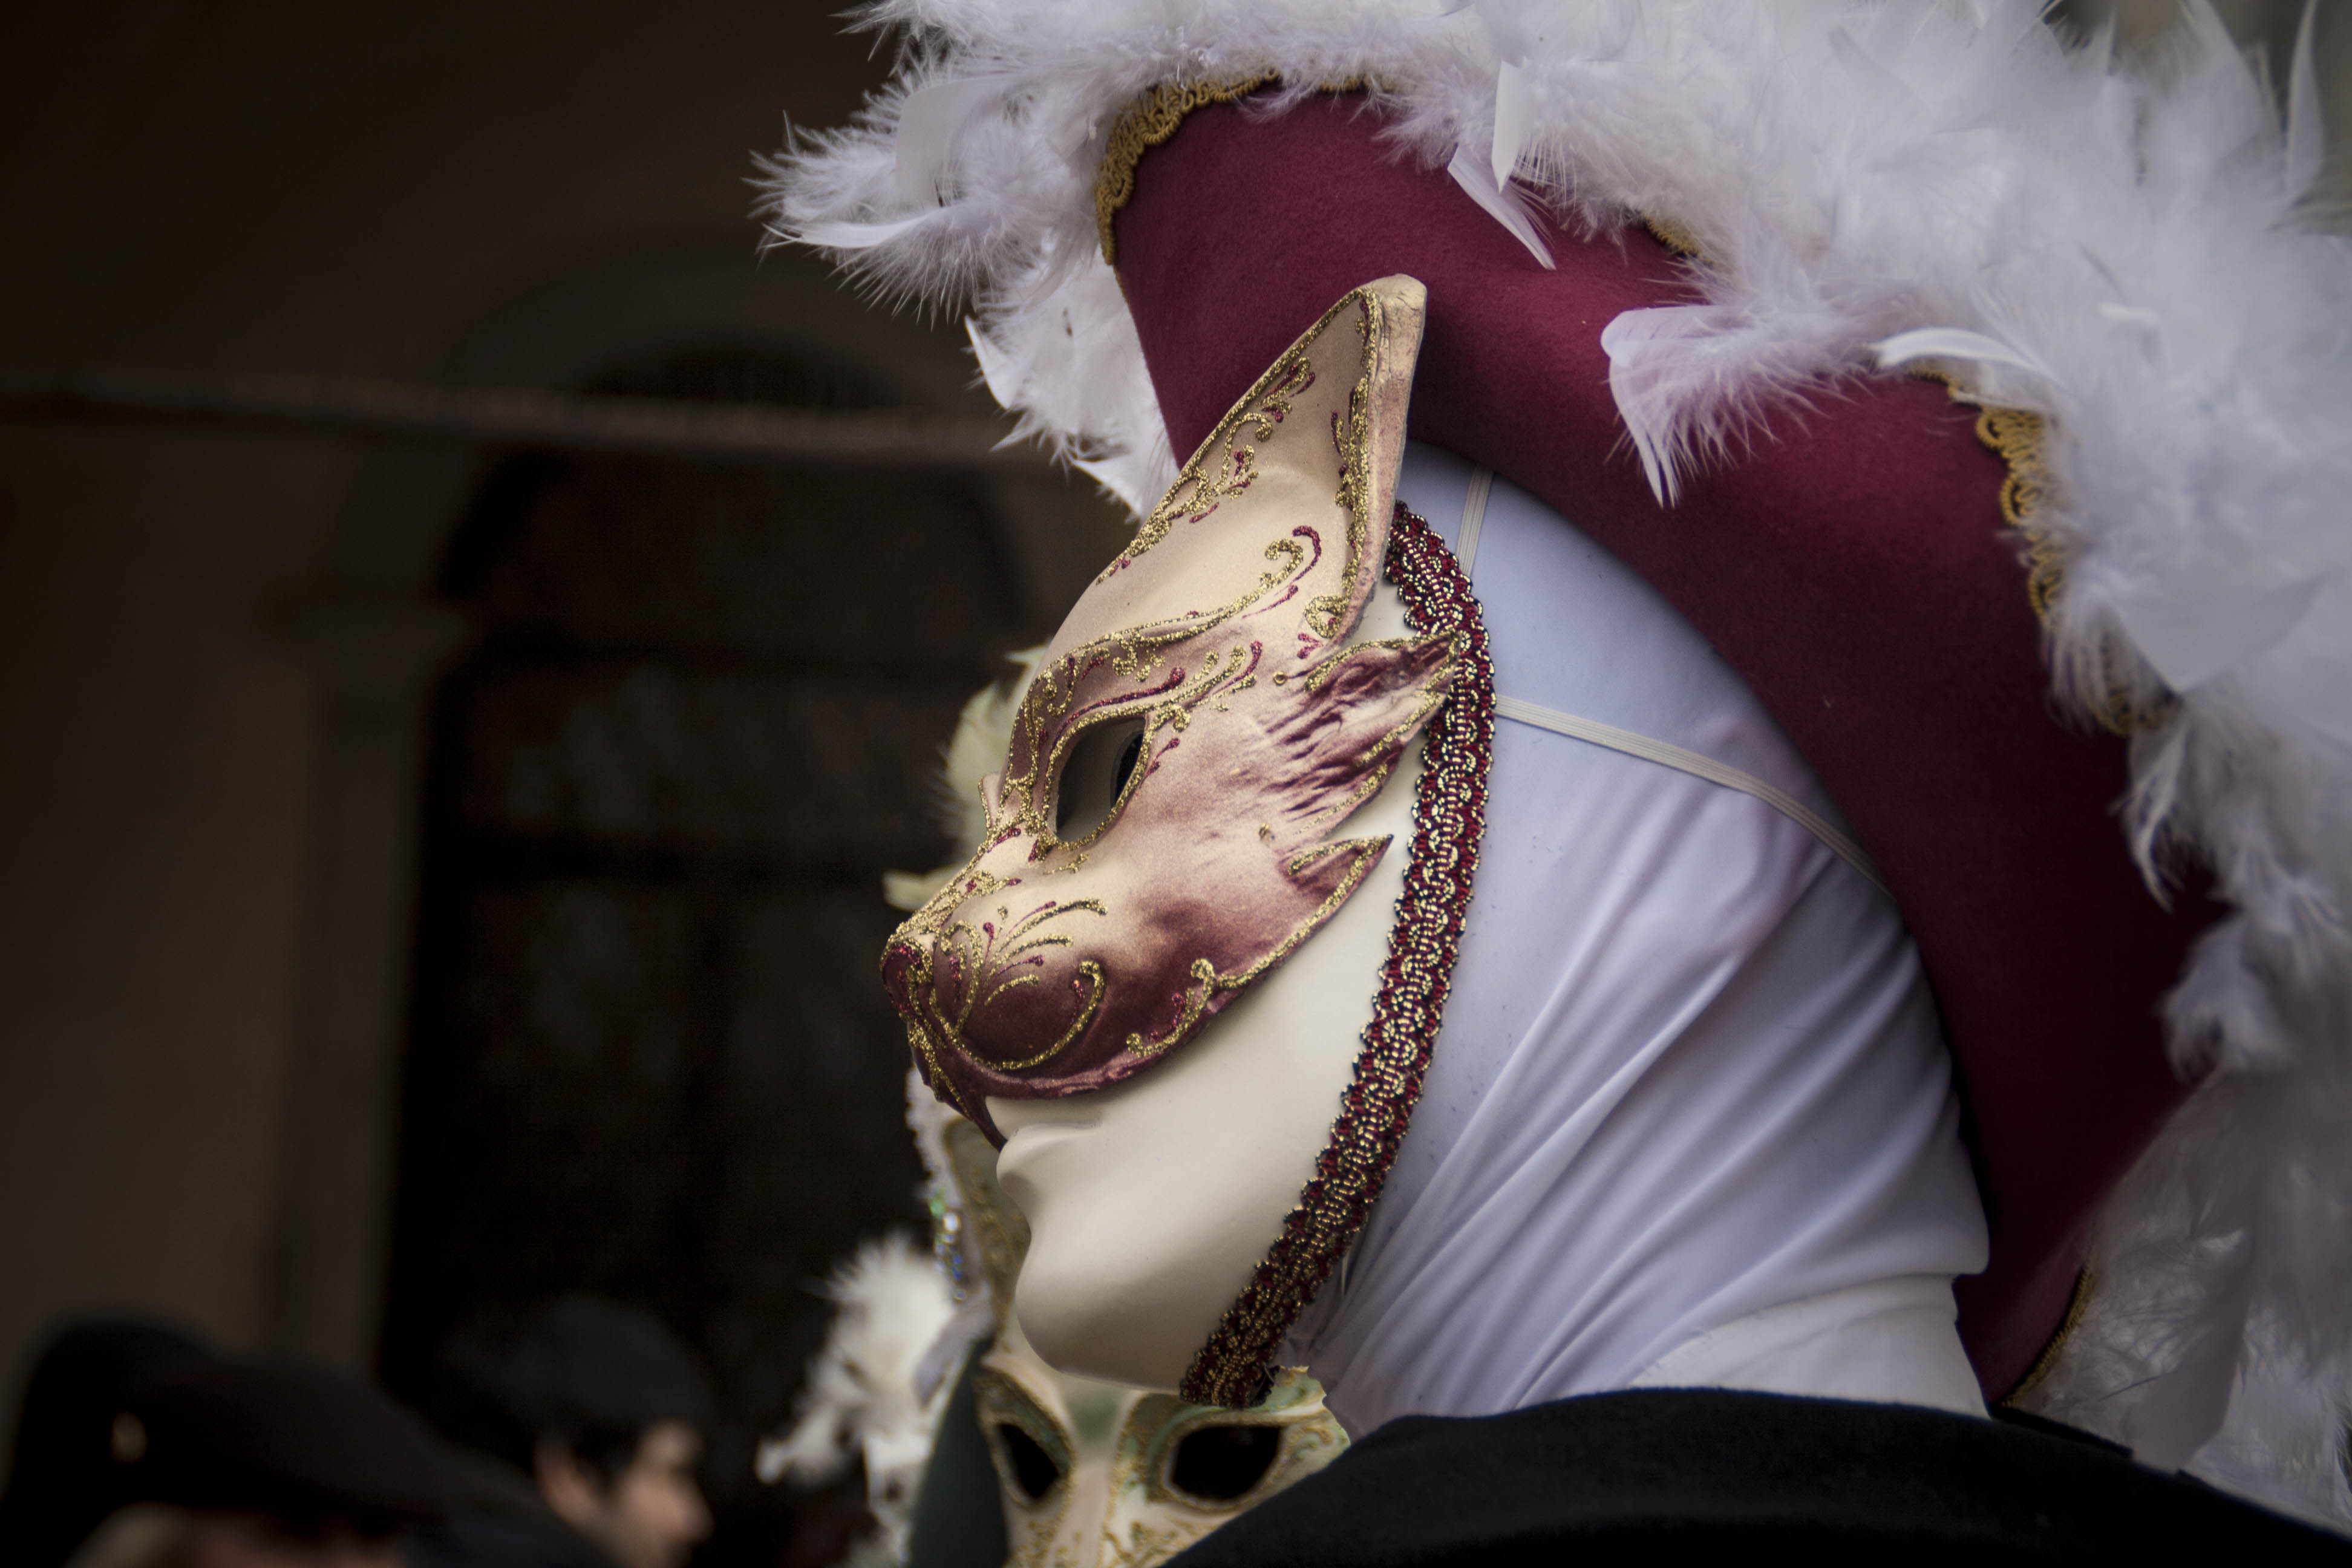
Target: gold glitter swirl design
(1197, 492)
(1328, 614)
(1449, 819)
(1207, 982)
(978, 950)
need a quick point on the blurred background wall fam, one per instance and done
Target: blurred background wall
(674, 717)
(533, 806)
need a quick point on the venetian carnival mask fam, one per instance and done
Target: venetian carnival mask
(1213, 756)
(1164, 829)
(1095, 1473)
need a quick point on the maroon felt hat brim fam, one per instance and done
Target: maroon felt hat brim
(1852, 566)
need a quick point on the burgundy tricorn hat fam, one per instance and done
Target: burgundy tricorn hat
(1854, 565)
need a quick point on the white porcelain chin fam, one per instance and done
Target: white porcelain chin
(1151, 1202)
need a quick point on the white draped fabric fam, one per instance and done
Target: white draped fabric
(1691, 1120)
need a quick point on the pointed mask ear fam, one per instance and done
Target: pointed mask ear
(1307, 460)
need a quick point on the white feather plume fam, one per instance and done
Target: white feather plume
(2120, 245)
(861, 1400)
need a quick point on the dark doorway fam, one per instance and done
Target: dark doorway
(650, 1058)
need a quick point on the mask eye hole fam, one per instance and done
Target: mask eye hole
(1034, 1470)
(1223, 1462)
(1098, 765)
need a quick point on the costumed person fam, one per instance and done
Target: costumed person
(577, 1442)
(976, 1451)
(1570, 880)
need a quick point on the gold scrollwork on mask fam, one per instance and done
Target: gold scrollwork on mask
(974, 948)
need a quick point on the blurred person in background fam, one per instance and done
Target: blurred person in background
(64, 1475)
(580, 1440)
(268, 1465)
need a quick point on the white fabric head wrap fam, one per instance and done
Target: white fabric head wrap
(1691, 1117)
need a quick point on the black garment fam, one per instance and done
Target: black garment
(502, 1541)
(498, 1519)
(960, 1508)
(1619, 1477)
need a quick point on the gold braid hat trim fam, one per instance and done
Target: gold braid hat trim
(2079, 1299)
(1672, 236)
(1154, 119)
(1145, 124)
(2020, 438)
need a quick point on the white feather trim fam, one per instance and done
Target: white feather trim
(861, 1400)
(2118, 246)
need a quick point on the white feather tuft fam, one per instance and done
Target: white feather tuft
(861, 1400)
(1501, 200)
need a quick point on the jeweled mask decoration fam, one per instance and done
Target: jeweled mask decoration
(1164, 832)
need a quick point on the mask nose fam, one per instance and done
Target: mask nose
(909, 967)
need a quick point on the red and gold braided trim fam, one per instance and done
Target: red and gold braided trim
(1449, 819)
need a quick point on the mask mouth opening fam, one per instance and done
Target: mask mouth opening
(1094, 776)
